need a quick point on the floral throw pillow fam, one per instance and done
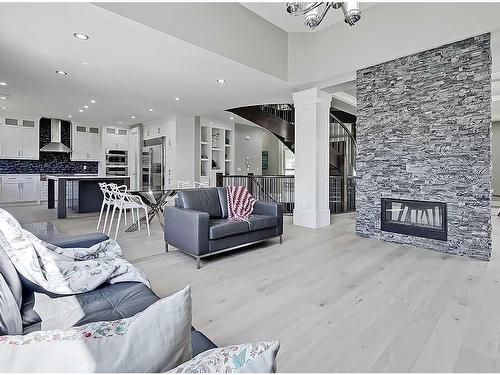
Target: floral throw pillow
(155, 340)
(251, 358)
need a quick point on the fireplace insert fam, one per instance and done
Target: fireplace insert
(414, 218)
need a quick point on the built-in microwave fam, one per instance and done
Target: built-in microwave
(116, 171)
(116, 157)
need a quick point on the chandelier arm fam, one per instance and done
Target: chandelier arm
(308, 9)
(328, 5)
(346, 15)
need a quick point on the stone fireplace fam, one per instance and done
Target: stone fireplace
(424, 149)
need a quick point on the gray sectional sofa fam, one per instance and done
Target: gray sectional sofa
(198, 224)
(109, 302)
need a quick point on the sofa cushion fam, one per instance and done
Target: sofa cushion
(111, 302)
(10, 316)
(200, 343)
(258, 222)
(11, 277)
(223, 201)
(224, 228)
(206, 200)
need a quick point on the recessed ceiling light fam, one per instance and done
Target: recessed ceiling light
(119, 122)
(3, 107)
(177, 99)
(231, 118)
(211, 122)
(61, 72)
(150, 109)
(69, 116)
(3, 84)
(92, 101)
(80, 110)
(85, 106)
(221, 81)
(132, 116)
(81, 36)
(3, 98)
(86, 63)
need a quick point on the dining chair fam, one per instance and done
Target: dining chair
(126, 201)
(184, 184)
(201, 185)
(107, 201)
(115, 192)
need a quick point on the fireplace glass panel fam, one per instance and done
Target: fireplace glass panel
(418, 218)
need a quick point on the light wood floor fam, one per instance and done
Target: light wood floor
(337, 303)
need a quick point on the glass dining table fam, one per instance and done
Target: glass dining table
(155, 199)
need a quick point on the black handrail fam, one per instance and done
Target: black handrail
(281, 189)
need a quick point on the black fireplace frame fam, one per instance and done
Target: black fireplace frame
(436, 234)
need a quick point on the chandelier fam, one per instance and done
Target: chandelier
(315, 12)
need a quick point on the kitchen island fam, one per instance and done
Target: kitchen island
(79, 192)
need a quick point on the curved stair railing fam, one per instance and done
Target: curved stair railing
(279, 119)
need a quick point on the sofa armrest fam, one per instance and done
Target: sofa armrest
(268, 208)
(81, 240)
(187, 229)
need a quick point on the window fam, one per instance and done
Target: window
(289, 162)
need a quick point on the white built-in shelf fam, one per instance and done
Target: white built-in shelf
(216, 145)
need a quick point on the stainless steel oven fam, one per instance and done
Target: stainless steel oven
(116, 157)
(116, 171)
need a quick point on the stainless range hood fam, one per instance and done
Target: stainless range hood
(55, 144)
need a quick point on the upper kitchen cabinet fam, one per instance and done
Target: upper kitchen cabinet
(86, 143)
(115, 138)
(19, 138)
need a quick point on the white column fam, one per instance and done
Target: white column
(312, 133)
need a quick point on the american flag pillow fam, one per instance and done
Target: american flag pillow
(239, 203)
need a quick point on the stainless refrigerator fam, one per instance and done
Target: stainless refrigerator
(153, 164)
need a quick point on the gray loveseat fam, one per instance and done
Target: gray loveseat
(109, 302)
(198, 224)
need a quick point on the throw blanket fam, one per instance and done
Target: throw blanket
(239, 203)
(64, 270)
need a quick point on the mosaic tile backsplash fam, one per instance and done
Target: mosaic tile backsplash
(49, 162)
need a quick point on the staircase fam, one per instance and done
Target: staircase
(279, 119)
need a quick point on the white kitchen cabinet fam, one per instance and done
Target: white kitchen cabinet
(11, 140)
(115, 138)
(29, 188)
(153, 131)
(94, 143)
(29, 139)
(20, 188)
(86, 145)
(20, 139)
(10, 189)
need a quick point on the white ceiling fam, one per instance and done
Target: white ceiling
(276, 14)
(130, 68)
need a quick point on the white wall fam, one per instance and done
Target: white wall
(272, 145)
(185, 156)
(385, 32)
(228, 29)
(248, 143)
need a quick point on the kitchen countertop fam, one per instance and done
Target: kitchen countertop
(84, 177)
